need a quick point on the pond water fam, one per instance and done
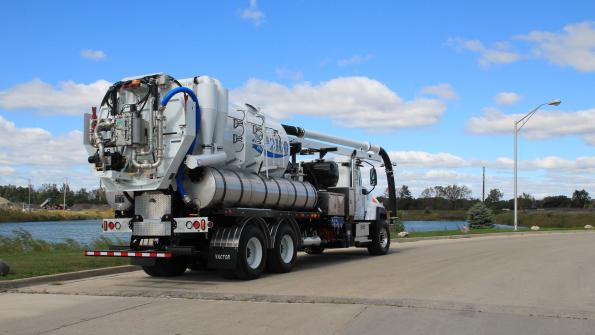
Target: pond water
(85, 231)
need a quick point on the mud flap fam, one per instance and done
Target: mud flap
(223, 258)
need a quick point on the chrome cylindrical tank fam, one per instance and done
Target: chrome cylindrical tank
(212, 186)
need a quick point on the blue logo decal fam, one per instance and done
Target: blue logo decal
(270, 154)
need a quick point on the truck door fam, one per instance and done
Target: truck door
(360, 199)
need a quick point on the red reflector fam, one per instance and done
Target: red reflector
(196, 224)
(111, 226)
(203, 224)
(104, 225)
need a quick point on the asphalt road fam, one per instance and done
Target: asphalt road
(527, 284)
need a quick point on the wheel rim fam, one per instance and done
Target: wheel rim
(286, 249)
(383, 238)
(253, 252)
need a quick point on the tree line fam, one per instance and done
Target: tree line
(454, 196)
(18, 194)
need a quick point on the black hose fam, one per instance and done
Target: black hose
(390, 178)
(293, 131)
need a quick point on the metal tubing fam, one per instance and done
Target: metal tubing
(311, 241)
(159, 148)
(103, 125)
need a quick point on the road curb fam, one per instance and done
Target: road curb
(17, 283)
(520, 233)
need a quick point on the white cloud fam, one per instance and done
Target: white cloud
(500, 53)
(352, 102)
(36, 153)
(294, 75)
(6, 170)
(355, 59)
(426, 159)
(574, 46)
(93, 54)
(544, 124)
(253, 14)
(38, 147)
(507, 98)
(68, 98)
(443, 91)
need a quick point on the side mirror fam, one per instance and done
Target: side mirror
(373, 177)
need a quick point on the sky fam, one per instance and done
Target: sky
(438, 84)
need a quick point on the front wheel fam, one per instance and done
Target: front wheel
(380, 239)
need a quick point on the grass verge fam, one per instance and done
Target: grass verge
(12, 215)
(29, 257)
(477, 232)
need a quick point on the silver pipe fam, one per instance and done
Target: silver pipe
(159, 148)
(101, 126)
(365, 146)
(311, 240)
(150, 134)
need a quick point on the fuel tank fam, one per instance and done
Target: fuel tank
(210, 186)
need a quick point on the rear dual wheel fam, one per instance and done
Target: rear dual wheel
(252, 253)
(282, 256)
(167, 267)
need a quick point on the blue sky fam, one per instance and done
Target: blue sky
(430, 70)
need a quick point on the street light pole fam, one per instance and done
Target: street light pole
(522, 121)
(516, 133)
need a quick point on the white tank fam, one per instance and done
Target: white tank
(239, 147)
(254, 143)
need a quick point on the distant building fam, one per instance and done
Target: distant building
(5, 203)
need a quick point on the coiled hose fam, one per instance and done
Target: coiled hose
(180, 173)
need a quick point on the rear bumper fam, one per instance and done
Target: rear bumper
(149, 254)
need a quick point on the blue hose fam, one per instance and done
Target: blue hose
(164, 102)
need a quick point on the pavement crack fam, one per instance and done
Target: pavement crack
(348, 323)
(95, 318)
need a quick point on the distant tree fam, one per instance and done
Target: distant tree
(558, 201)
(455, 192)
(404, 192)
(479, 216)
(428, 192)
(494, 196)
(580, 199)
(404, 198)
(526, 201)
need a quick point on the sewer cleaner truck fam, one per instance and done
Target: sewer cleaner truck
(203, 185)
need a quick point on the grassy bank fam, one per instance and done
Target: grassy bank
(432, 215)
(11, 215)
(544, 219)
(481, 231)
(29, 257)
(549, 219)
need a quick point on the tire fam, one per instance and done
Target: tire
(282, 257)
(380, 239)
(252, 253)
(314, 250)
(172, 267)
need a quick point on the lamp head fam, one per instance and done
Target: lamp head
(555, 102)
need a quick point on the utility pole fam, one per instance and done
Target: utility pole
(29, 208)
(483, 186)
(64, 203)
